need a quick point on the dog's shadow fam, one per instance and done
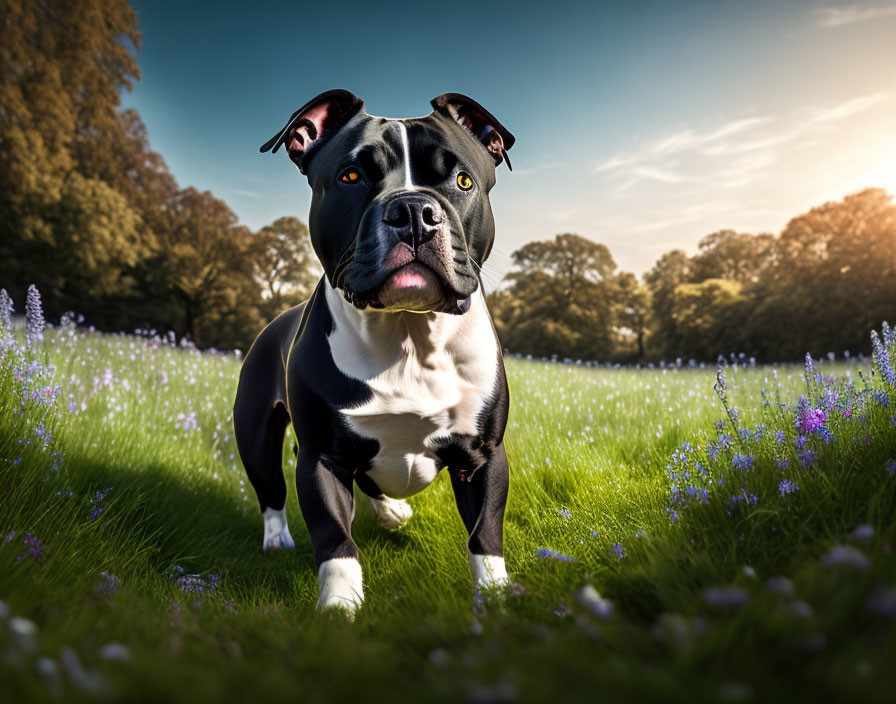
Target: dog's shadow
(204, 526)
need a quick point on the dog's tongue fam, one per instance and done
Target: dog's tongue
(413, 287)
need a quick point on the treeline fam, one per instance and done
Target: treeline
(91, 214)
(820, 286)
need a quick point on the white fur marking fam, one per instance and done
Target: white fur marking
(276, 532)
(487, 570)
(340, 585)
(391, 513)
(430, 373)
(409, 186)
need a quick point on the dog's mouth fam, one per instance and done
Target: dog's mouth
(413, 287)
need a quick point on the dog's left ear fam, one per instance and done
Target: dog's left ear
(313, 122)
(480, 122)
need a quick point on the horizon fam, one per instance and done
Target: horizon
(626, 133)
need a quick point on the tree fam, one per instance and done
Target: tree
(630, 301)
(708, 316)
(670, 271)
(284, 264)
(730, 255)
(559, 299)
(201, 260)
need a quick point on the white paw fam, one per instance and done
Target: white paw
(391, 513)
(340, 585)
(488, 571)
(276, 532)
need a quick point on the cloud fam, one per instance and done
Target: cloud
(613, 162)
(658, 174)
(543, 166)
(850, 107)
(246, 193)
(838, 16)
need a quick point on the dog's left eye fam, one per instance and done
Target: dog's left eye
(351, 176)
(464, 182)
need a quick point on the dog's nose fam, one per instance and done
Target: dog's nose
(415, 218)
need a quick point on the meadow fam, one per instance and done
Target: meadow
(674, 533)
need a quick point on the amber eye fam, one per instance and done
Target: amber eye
(351, 176)
(464, 182)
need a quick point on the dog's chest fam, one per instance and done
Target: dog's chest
(425, 395)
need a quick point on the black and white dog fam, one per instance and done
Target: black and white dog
(391, 371)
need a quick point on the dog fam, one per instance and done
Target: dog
(392, 370)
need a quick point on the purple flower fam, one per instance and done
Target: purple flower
(742, 462)
(34, 317)
(847, 556)
(545, 553)
(618, 551)
(33, 548)
(808, 419)
(726, 597)
(882, 359)
(109, 584)
(787, 487)
(565, 513)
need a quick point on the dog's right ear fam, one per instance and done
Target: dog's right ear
(312, 123)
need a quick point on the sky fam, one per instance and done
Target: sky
(644, 126)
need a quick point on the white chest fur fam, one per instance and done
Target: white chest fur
(430, 374)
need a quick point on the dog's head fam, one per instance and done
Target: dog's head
(400, 216)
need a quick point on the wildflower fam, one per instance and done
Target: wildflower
(808, 457)
(618, 551)
(589, 597)
(116, 652)
(34, 317)
(33, 548)
(545, 553)
(783, 462)
(565, 513)
(109, 584)
(808, 419)
(847, 556)
(6, 308)
(726, 597)
(882, 602)
(787, 487)
(780, 585)
(882, 359)
(863, 532)
(742, 462)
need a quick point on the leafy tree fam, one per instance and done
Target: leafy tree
(630, 301)
(670, 271)
(708, 317)
(730, 255)
(201, 259)
(558, 301)
(284, 264)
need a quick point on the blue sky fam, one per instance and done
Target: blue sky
(644, 126)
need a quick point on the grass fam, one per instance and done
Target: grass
(734, 600)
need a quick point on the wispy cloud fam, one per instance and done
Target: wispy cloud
(246, 193)
(850, 107)
(658, 174)
(525, 171)
(838, 16)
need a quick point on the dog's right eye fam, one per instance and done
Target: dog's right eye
(351, 176)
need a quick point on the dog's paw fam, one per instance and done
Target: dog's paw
(340, 586)
(276, 532)
(488, 572)
(392, 513)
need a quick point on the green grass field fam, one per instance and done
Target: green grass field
(128, 521)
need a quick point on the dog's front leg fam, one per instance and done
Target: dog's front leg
(327, 503)
(481, 498)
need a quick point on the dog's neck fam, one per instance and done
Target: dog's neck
(370, 341)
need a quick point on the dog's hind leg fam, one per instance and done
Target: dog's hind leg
(260, 419)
